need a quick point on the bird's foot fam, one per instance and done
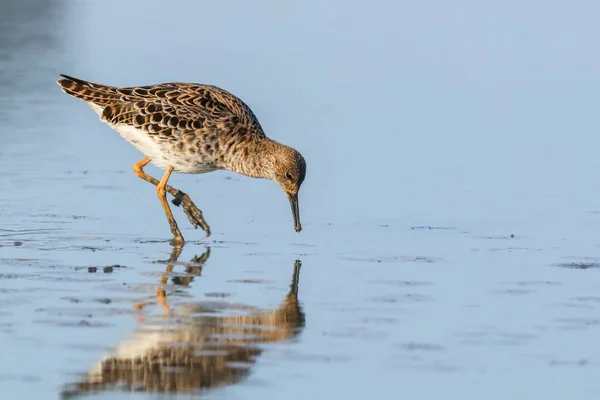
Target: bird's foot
(193, 213)
(177, 242)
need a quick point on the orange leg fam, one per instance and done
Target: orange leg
(193, 213)
(162, 196)
(161, 299)
(161, 294)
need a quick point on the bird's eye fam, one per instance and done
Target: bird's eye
(288, 175)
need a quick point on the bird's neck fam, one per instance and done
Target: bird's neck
(254, 158)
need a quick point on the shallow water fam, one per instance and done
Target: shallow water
(450, 211)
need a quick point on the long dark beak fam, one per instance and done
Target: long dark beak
(295, 210)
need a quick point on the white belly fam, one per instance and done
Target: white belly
(162, 154)
(144, 143)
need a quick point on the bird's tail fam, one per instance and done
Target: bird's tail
(95, 93)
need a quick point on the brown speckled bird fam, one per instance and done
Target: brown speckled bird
(193, 129)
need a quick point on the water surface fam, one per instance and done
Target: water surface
(450, 209)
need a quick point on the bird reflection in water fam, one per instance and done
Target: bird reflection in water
(194, 346)
(193, 268)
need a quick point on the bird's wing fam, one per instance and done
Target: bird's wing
(166, 108)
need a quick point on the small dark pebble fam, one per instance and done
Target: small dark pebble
(512, 236)
(429, 227)
(92, 269)
(580, 265)
(74, 300)
(18, 243)
(104, 301)
(217, 294)
(108, 270)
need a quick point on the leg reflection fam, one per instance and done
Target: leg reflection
(192, 269)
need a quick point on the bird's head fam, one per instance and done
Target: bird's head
(289, 170)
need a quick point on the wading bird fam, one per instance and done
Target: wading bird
(193, 129)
